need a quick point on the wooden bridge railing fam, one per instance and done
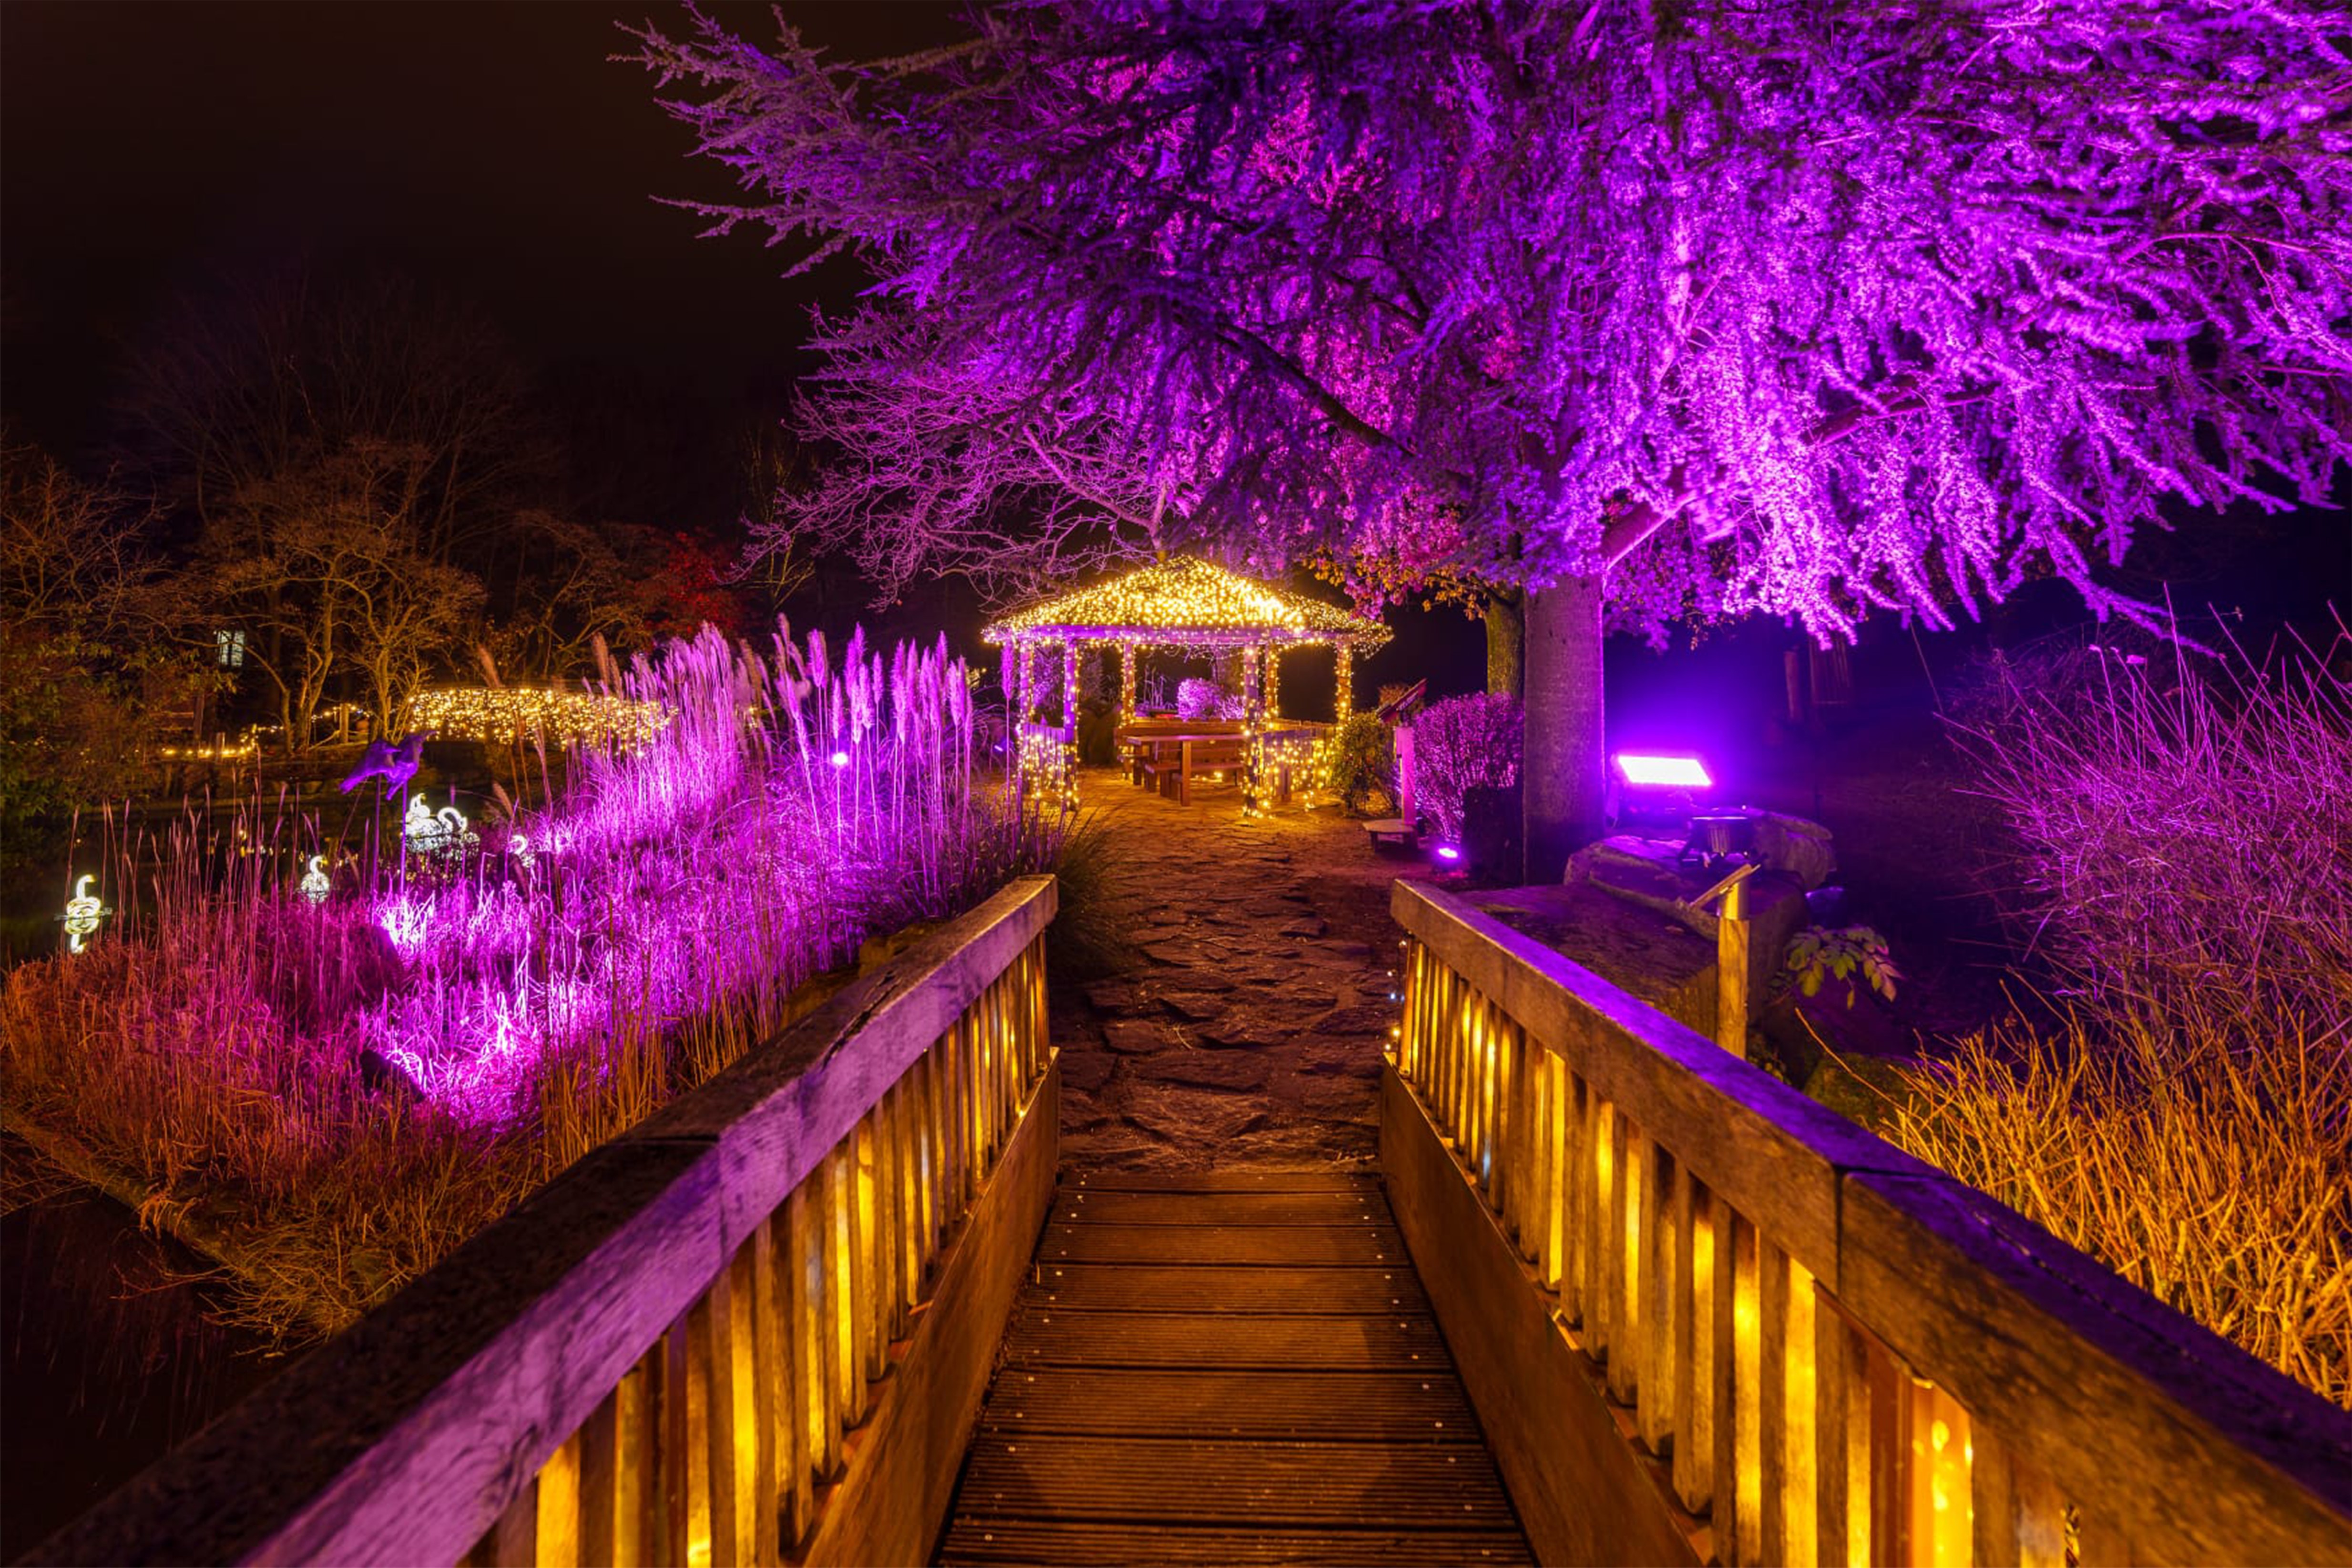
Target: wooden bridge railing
(1701, 1316)
(755, 1329)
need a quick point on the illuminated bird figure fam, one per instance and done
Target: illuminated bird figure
(82, 914)
(396, 764)
(429, 832)
(425, 832)
(314, 880)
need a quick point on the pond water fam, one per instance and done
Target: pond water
(108, 1356)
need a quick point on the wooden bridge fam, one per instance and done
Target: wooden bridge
(1616, 1297)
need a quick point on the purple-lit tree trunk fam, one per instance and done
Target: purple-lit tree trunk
(1561, 775)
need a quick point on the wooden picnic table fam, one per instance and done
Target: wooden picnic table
(1172, 757)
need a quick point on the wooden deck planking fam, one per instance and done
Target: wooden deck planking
(1336, 1245)
(1219, 1208)
(1060, 1337)
(1211, 1287)
(1217, 1371)
(1217, 1182)
(1220, 1480)
(1328, 1406)
(1057, 1543)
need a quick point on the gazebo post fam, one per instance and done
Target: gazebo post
(1343, 695)
(1028, 681)
(1069, 689)
(1273, 679)
(1126, 683)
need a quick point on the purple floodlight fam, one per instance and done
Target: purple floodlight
(840, 759)
(1654, 771)
(1448, 852)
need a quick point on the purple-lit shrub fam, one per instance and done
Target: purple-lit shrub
(1199, 698)
(2178, 823)
(354, 1087)
(2182, 855)
(1460, 745)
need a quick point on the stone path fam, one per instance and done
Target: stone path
(1256, 986)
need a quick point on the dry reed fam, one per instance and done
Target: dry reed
(2181, 856)
(352, 1088)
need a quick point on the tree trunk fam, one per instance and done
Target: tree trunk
(1562, 770)
(1505, 644)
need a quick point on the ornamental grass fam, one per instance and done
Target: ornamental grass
(2181, 856)
(338, 1092)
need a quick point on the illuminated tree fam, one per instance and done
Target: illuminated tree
(1661, 310)
(332, 560)
(87, 655)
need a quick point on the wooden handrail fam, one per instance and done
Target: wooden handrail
(1826, 1349)
(655, 1357)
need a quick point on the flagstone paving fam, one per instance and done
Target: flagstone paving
(1254, 989)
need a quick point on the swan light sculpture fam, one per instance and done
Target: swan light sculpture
(82, 914)
(430, 832)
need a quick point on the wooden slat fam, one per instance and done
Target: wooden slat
(2132, 1413)
(1208, 1288)
(1542, 1404)
(1222, 1340)
(1361, 1205)
(1218, 1182)
(1262, 1484)
(1053, 1544)
(1347, 1405)
(1297, 1412)
(1775, 1155)
(599, 1485)
(1366, 1247)
(1661, 1298)
(1693, 1330)
(895, 1496)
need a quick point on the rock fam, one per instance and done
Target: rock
(1243, 1028)
(1339, 1064)
(1802, 848)
(1194, 1005)
(1309, 925)
(1086, 1071)
(1199, 980)
(1369, 1018)
(1141, 1036)
(1222, 1070)
(1338, 1100)
(1118, 998)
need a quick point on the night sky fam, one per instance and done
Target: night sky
(491, 150)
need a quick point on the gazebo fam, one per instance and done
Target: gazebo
(1189, 604)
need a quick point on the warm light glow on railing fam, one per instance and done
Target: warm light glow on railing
(1829, 1448)
(719, 1446)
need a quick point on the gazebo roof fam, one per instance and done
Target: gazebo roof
(1186, 601)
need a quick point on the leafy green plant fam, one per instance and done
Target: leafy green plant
(1355, 759)
(1821, 953)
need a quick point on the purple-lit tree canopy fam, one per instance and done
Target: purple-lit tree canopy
(1681, 311)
